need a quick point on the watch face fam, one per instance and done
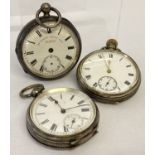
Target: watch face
(63, 112)
(109, 72)
(50, 54)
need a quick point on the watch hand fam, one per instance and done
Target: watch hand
(76, 106)
(57, 103)
(73, 121)
(108, 65)
(107, 82)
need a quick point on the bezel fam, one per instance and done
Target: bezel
(25, 31)
(106, 97)
(64, 141)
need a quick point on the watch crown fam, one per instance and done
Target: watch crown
(46, 7)
(112, 43)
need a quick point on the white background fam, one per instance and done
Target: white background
(121, 130)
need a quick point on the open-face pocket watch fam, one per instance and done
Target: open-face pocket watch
(60, 117)
(49, 46)
(108, 74)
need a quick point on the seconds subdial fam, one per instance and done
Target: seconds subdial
(107, 83)
(51, 64)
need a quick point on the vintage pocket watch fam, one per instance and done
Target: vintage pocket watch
(48, 47)
(60, 117)
(108, 74)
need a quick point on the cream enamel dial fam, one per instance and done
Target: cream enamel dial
(63, 112)
(109, 74)
(50, 55)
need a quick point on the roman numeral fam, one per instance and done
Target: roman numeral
(84, 109)
(100, 56)
(45, 121)
(43, 105)
(70, 47)
(38, 33)
(80, 102)
(29, 53)
(72, 97)
(95, 84)
(127, 82)
(31, 42)
(53, 127)
(41, 113)
(128, 66)
(110, 55)
(130, 74)
(87, 68)
(33, 62)
(42, 68)
(60, 31)
(68, 38)
(68, 57)
(65, 129)
(61, 96)
(88, 77)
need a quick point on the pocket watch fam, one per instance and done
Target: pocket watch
(49, 46)
(60, 117)
(108, 74)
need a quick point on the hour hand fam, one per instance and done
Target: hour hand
(52, 99)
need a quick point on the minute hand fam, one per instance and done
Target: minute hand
(76, 106)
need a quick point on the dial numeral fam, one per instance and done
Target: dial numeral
(84, 109)
(88, 77)
(65, 129)
(60, 31)
(29, 53)
(68, 57)
(80, 102)
(87, 68)
(45, 121)
(31, 42)
(95, 84)
(128, 66)
(110, 55)
(33, 62)
(42, 68)
(72, 97)
(40, 113)
(43, 105)
(38, 33)
(130, 74)
(61, 95)
(68, 38)
(53, 127)
(127, 82)
(71, 47)
(119, 88)
(122, 57)
(101, 56)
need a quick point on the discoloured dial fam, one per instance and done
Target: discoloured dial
(50, 55)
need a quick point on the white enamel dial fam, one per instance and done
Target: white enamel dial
(63, 112)
(49, 55)
(109, 71)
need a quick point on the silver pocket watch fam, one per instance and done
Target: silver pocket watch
(108, 74)
(60, 117)
(49, 46)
